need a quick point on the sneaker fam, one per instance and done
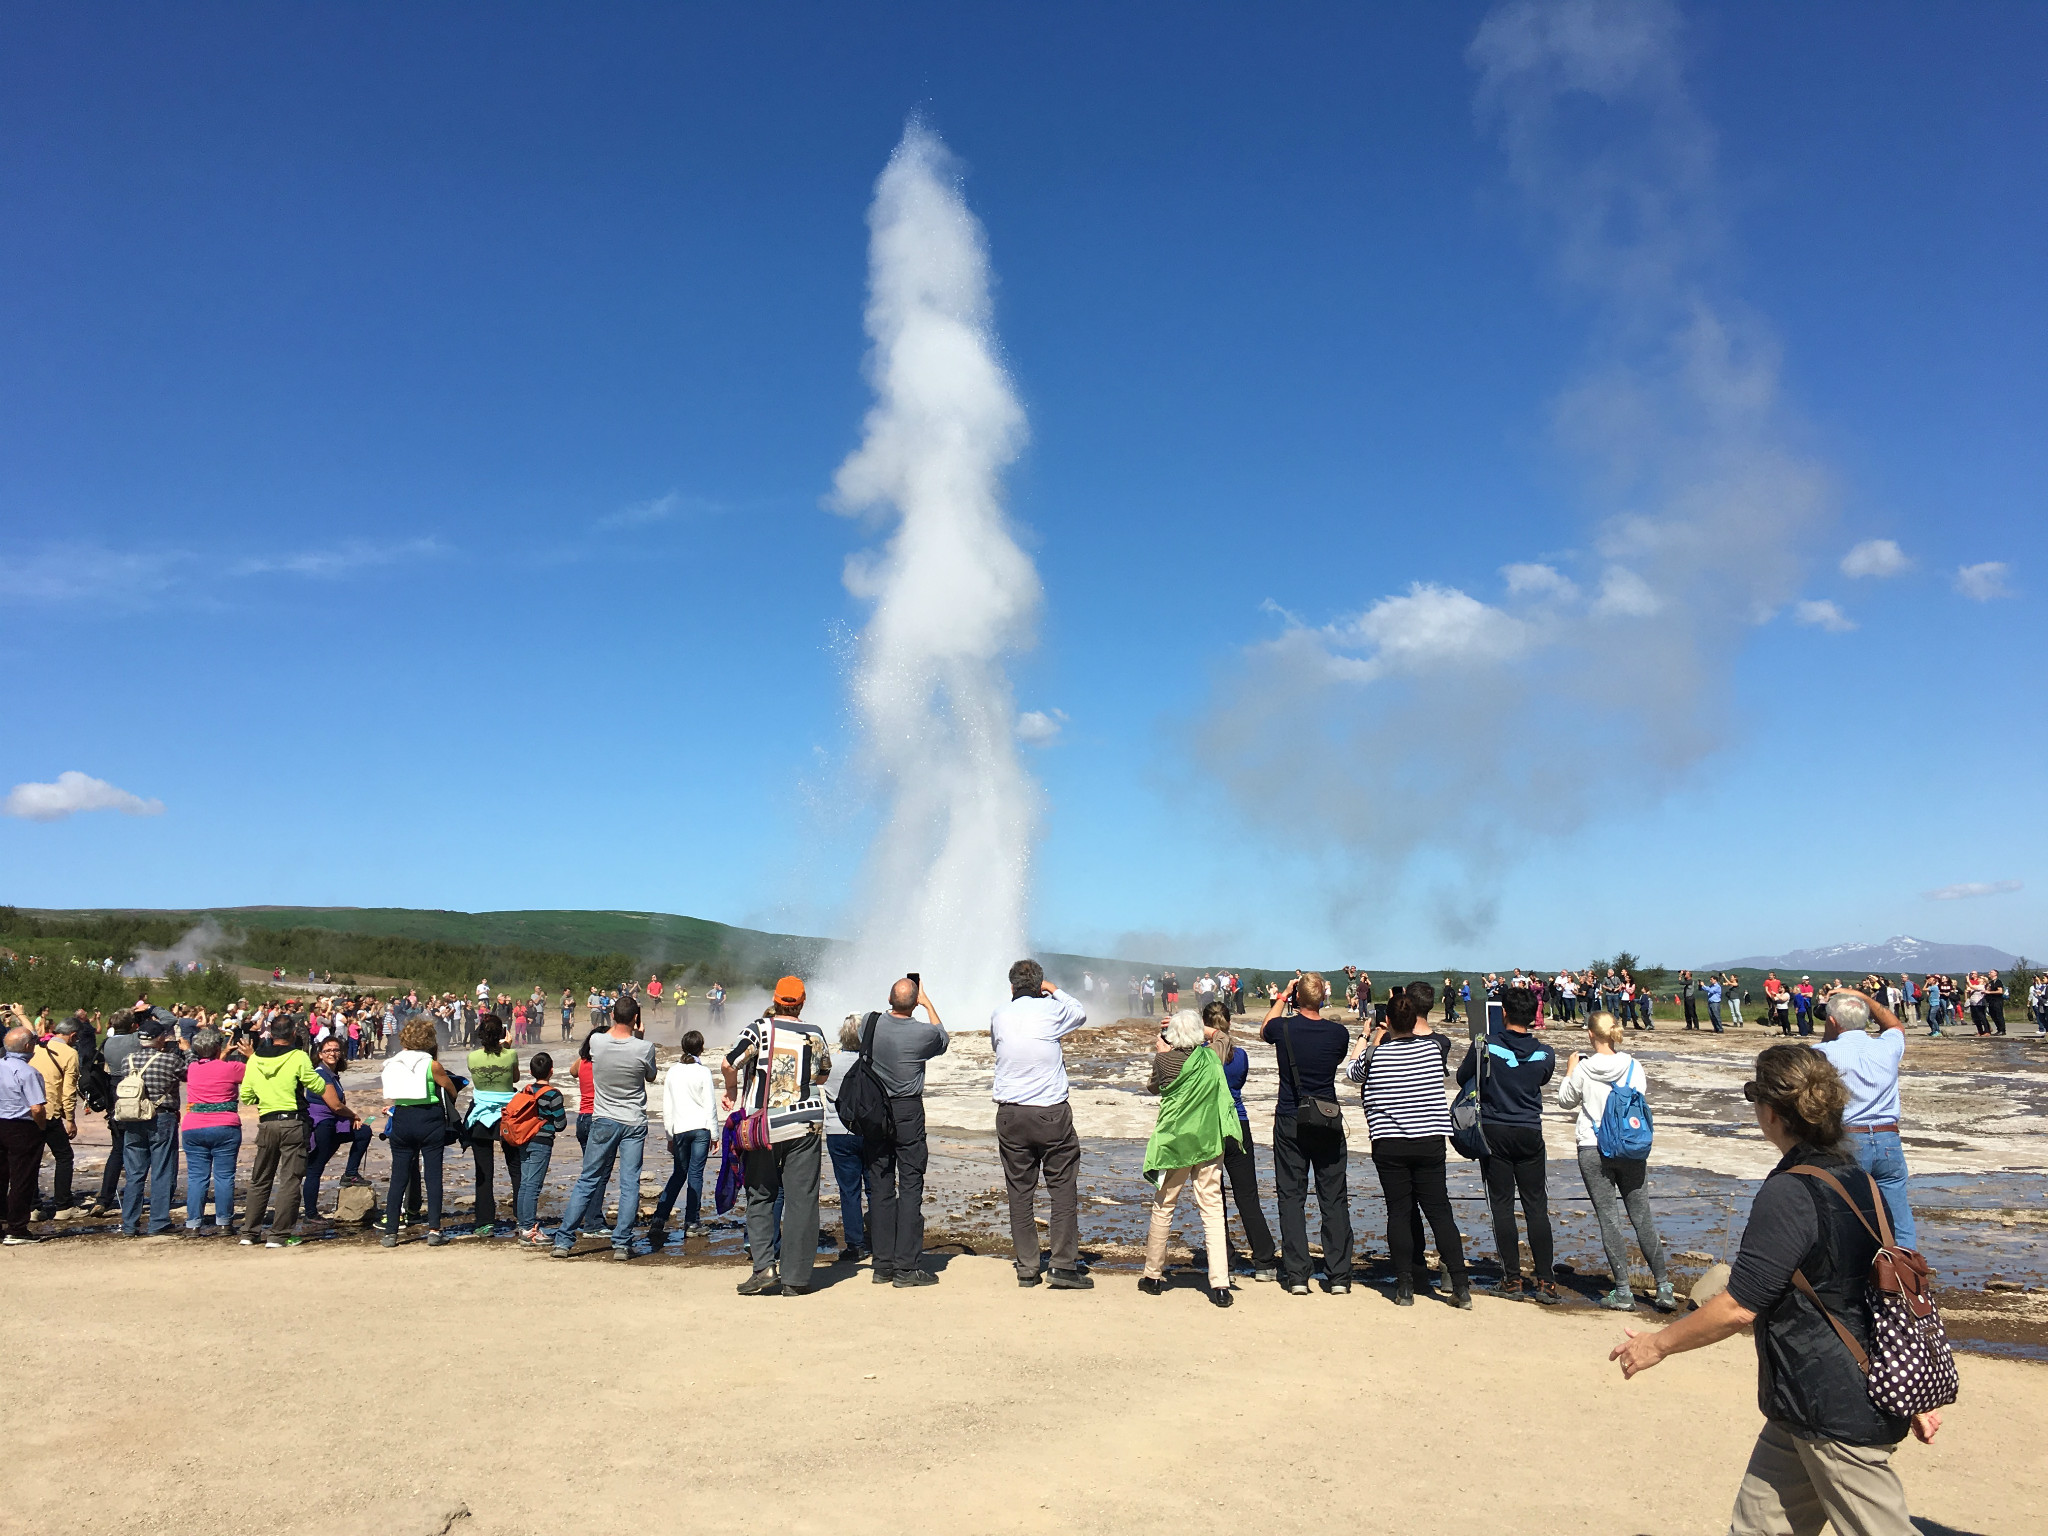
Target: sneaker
(915, 1277)
(883, 1276)
(622, 1255)
(1297, 1288)
(1546, 1293)
(1404, 1293)
(762, 1282)
(1147, 1286)
(1618, 1300)
(436, 1239)
(796, 1290)
(852, 1255)
(249, 1239)
(1667, 1297)
(12, 1241)
(1071, 1280)
(1219, 1296)
(694, 1229)
(484, 1231)
(1461, 1295)
(388, 1241)
(1339, 1288)
(557, 1251)
(1266, 1273)
(1027, 1281)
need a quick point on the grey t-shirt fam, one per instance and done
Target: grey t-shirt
(902, 1047)
(620, 1071)
(117, 1050)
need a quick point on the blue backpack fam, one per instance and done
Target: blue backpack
(1625, 1122)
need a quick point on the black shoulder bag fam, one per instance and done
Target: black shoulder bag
(1309, 1114)
(863, 1103)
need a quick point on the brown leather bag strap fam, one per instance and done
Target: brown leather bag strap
(1806, 1289)
(1883, 1236)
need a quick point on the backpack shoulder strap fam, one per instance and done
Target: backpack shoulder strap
(867, 1035)
(1884, 1237)
(1856, 1350)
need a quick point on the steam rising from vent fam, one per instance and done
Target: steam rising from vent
(1465, 724)
(945, 887)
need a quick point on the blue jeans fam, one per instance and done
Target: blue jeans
(149, 1155)
(1880, 1155)
(1714, 1015)
(610, 1140)
(847, 1170)
(210, 1154)
(534, 1158)
(689, 1150)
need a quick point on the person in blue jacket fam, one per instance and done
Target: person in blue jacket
(1518, 1065)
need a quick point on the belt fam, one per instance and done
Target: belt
(1872, 1130)
(284, 1114)
(231, 1107)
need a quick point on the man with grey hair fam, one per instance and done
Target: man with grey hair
(1869, 1068)
(1035, 1124)
(22, 1116)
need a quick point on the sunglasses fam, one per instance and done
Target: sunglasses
(1749, 1091)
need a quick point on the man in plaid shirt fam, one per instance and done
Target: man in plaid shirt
(151, 1154)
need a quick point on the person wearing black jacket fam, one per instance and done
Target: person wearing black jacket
(1511, 1109)
(1310, 1049)
(1825, 1449)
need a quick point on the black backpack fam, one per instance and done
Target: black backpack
(863, 1102)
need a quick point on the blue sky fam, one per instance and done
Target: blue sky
(414, 429)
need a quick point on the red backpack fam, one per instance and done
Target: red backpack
(520, 1121)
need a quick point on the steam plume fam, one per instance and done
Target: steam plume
(946, 882)
(1463, 723)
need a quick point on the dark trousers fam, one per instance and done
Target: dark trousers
(1692, 1014)
(483, 1143)
(1516, 1166)
(790, 1169)
(1242, 1170)
(326, 1142)
(1997, 1007)
(1296, 1152)
(894, 1174)
(21, 1153)
(416, 1132)
(53, 1137)
(1032, 1138)
(279, 1164)
(1411, 1170)
(110, 1176)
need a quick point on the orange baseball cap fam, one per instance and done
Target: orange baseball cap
(789, 990)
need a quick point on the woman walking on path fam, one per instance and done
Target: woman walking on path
(1240, 1167)
(1613, 1183)
(1408, 1118)
(415, 1084)
(1825, 1451)
(1197, 1123)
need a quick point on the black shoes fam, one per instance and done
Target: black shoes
(1219, 1296)
(762, 1282)
(884, 1276)
(1027, 1281)
(1147, 1286)
(1071, 1280)
(915, 1277)
(1461, 1295)
(1404, 1293)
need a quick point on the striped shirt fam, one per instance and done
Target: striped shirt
(1404, 1086)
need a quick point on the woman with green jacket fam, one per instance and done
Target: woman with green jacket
(1197, 1116)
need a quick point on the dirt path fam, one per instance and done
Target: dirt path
(180, 1387)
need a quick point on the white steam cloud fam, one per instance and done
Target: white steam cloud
(74, 792)
(198, 944)
(1459, 721)
(946, 883)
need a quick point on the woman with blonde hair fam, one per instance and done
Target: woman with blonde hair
(1825, 1450)
(1197, 1123)
(1613, 1183)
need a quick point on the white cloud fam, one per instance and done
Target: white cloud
(68, 573)
(1038, 728)
(1822, 614)
(1983, 582)
(1876, 557)
(1625, 595)
(1971, 888)
(74, 792)
(1431, 626)
(1538, 581)
(339, 560)
(662, 509)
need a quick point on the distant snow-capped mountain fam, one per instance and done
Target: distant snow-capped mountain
(1900, 953)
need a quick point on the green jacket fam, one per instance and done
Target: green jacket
(1196, 1116)
(272, 1083)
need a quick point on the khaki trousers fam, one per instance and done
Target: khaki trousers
(1208, 1181)
(1794, 1487)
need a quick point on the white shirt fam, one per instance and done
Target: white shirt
(1025, 1034)
(688, 1101)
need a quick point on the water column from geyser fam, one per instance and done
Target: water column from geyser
(945, 885)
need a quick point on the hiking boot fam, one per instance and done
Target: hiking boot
(1219, 1296)
(1147, 1286)
(1461, 1295)
(762, 1282)
(1071, 1280)
(1667, 1297)
(1618, 1300)
(1546, 1293)
(911, 1278)
(1404, 1293)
